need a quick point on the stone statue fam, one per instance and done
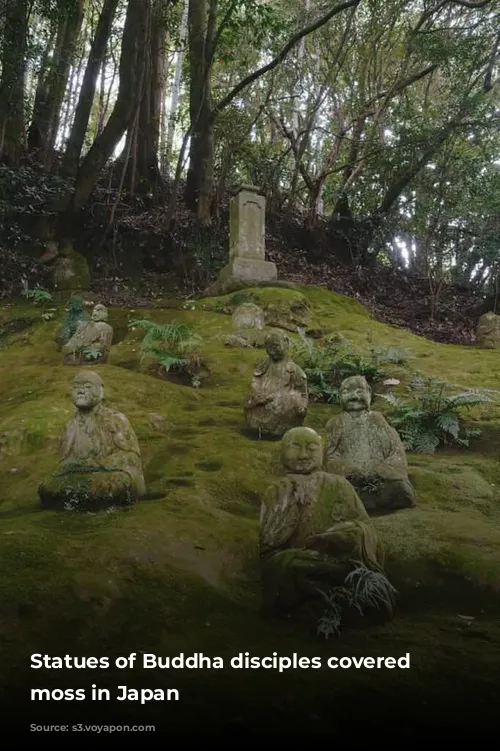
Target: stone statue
(488, 331)
(91, 341)
(312, 527)
(361, 446)
(101, 460)
(278, 398)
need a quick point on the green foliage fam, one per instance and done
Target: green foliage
(75, 315)
(173, 346)
(391, 355)
(362, 589)
(251, 20)
(39, 296)
(431, 418)
(327, 366)
(90, 353)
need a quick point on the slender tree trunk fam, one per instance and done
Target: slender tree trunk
(87, 92)
(132, 63)
(47, 110)
(201, 25)
(12, 126)
(176, 88)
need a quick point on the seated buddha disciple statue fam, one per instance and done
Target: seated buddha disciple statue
(101, 461)
(278, 398)
(362, 446)
(91, 341)
(312, 527)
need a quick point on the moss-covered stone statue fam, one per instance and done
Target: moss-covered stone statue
(312, 526)
(362, 446)
(278, 399)
(91, 341)
(101, 460)
(488, 331)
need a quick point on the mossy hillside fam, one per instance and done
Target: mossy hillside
(179, 571)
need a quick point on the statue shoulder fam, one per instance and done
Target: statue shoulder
(378, 419)
(334, 423)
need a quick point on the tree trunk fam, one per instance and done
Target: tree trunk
(47, 111)
(12, 126)
(87, 92)
(176, 87)
(201, 32)
(132, 63)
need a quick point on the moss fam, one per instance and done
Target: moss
(188, 556)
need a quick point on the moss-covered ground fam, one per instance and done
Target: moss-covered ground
(179, 571)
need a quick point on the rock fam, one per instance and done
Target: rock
(101, 463)
(237, 340)
(362, 446)
(312, 526)
(488, 331)
(279, 397)
(248, 316)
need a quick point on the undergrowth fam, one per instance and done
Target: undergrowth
(431, 418)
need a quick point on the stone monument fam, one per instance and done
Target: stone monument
(100, 462)
(91, 341)
(279, 397)
(312, 527)
(247, 264)
(488, 331)
(362, 446)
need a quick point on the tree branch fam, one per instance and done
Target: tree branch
(281, 55)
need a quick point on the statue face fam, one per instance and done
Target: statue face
(355, 394)
(276, 346)
(99, 313)
(302, 451)
(88, 391)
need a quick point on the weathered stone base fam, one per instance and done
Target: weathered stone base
(385, 496)
(243, 272)
(92, 491)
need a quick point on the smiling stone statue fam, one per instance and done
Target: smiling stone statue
(362, 446)
(312, 526)
(101, 461)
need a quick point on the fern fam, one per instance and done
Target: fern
(431, 418)
(362, 589)
(327, 366)
(75, 315)
(172, 345)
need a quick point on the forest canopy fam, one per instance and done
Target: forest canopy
(376, 121)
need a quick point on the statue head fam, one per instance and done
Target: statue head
(302, 451)
(88, 390)
(355, 394)
(100, 313)
(276, 345)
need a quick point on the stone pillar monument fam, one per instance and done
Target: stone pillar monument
(247, 264)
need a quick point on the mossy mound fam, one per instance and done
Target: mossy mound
(179, 570)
